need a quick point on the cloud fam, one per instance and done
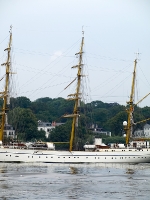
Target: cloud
(56, 55)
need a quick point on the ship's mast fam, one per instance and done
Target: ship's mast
(77, 96)
(5, 94)
(130, 122)
(128, 126)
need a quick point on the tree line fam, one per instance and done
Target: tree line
(24, 114)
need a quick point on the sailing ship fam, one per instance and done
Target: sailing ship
(116, 154)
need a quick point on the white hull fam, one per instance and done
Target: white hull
(50, 156)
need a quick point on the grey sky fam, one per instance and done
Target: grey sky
(47, 34)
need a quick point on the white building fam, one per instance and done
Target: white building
(9, 131)
(145, 133)
(147, 130)
(100, 132)
(47, 127)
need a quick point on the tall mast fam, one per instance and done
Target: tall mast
(5, 94)
(130, 122)
(77, 96)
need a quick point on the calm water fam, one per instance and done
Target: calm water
(80, 181)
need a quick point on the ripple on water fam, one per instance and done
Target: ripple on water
(76, 181)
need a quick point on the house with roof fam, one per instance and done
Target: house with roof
(47, 127)
(145, 133)
(9, 131)
(99, 131)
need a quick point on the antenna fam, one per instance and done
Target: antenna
(10, 28)
(82, 31)
(137, 55)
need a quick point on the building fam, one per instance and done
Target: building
(9, 131)
(145, 133)
(99, 131)
(47, 127)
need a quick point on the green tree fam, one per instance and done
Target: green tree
(24, 122)
(115, 124)
(101, 115)
(61, 134)
(22, 102)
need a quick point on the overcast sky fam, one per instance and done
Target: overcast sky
(47, 34)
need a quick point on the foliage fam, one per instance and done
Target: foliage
(61, 134)
(115, 139)
(22, 102)
(24, 122)
(47, 109)
(115, 123)
(24, 115)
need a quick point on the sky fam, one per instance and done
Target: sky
(47, 34)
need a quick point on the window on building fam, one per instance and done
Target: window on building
(48, 124)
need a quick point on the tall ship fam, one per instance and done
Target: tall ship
(132, 152)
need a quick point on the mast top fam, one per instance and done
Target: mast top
(137, 55)
(10, 31)
(82, 31)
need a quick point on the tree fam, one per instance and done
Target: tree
(108, 116)
(61, 134)
(101, 115)
(40, 135)
(24, 122)
(115, 124)
(22, 102)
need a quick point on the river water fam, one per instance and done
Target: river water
(74, 181)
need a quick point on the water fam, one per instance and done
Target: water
(74, 181)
